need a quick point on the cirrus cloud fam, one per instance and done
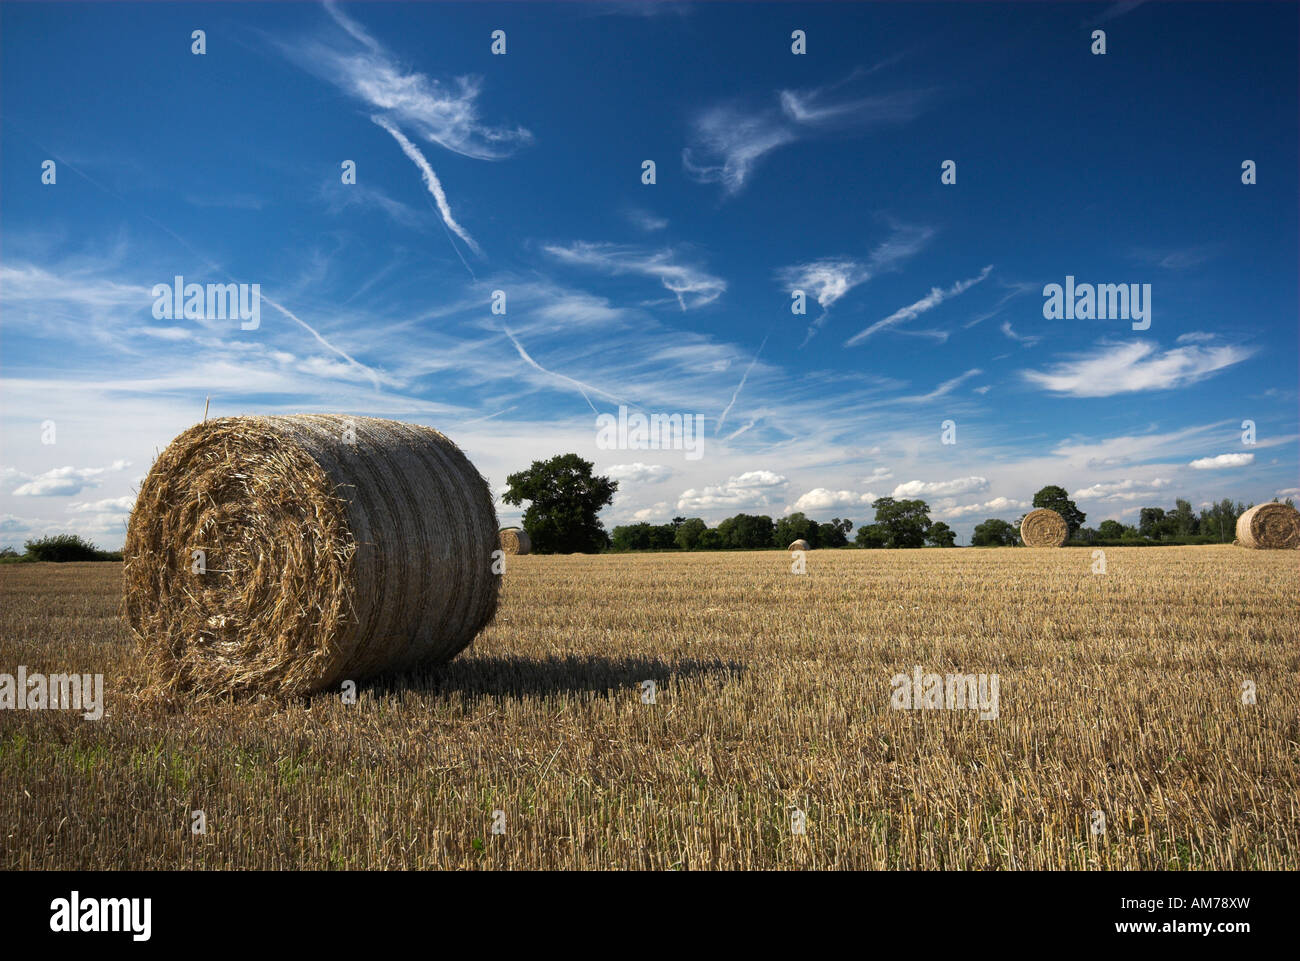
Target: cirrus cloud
(1128, 368)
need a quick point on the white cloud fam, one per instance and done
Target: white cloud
(639, 473)
(579, 309)
(1125, 490)
(934, 298)
(445, 113)
(827, 279)
(693, 286)
(821, 499)
(961, 485)
(113, 505)
(728, 141)
(997, 505)
(1127, 368)
(810, 108)
(756, 488)
(645, 220)
(830, 278)
(733, 141)
(64, 481)
(1027, 339)
(1223, 460)
(13, 524)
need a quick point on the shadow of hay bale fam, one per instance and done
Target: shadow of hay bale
(479, 677)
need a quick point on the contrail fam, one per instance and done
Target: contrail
(934, 298)
(431, 181)
(212, 265)
(723, 416)
(582, 388)
(374, 378)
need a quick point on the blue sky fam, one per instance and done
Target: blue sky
(774, 172)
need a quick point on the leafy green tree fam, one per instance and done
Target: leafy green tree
(711, 540)
(1152, 523)
(794, 526)
(644, 537)
(995, 532)
(872, 536)
(1055, 498)
(746, 532)
(905, 521)
(1220, 520)
(62, 547)
(941, 535)
(1183, 519)
(688, 533)
(834, 534)
(565, 499)
(1110, 530)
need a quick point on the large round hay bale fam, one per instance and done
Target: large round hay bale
(799, 545)
(1269, 526)
(1044, 528)
(515, 540)
(334, 548)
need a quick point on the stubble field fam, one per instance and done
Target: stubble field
(1121, 741)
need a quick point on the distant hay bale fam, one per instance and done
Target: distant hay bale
(799, 545)
(1044, 528)
(334, 548)
(515, 540)
(1269, 527)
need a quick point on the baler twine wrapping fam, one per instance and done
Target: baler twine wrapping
(515, 540)
(1044, 528)
(1270, 527)
(336, 548)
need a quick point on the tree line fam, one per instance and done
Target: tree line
(58, 548)
(564, 499)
